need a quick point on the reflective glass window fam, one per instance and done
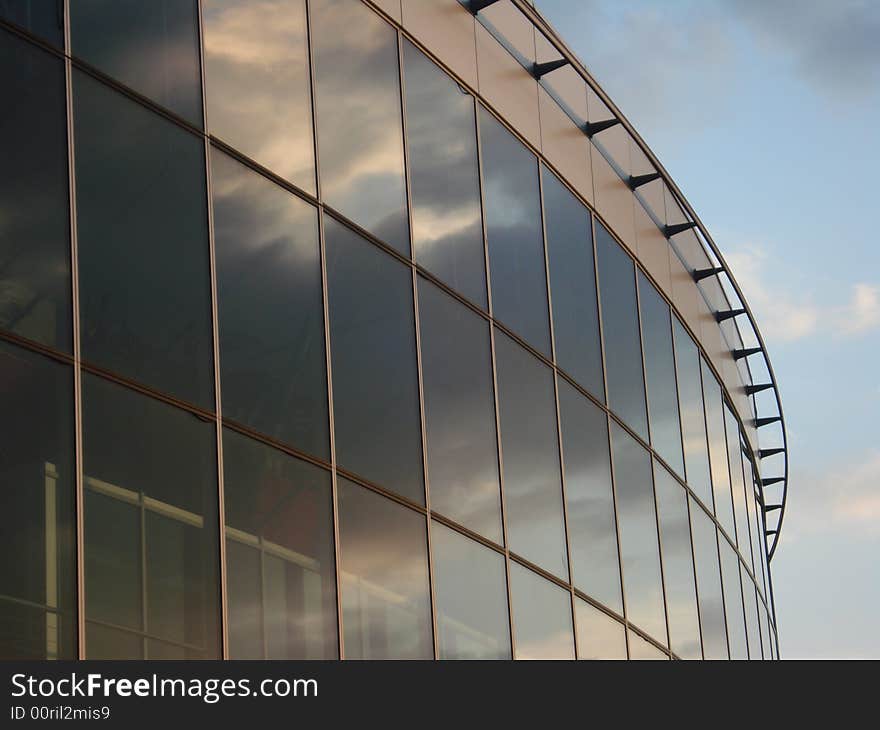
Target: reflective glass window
(34, 214)
(642, 650)
(270, 308)
(592, 529)
(708, 584)
(360, 133)
(678, 566)
(386, 606)
(737, 486)
(375, 381)
(715, 429)
(43, 18)
(599, 636)
(639, 544)
(541, 616)
(281, 582)
(513, 227)
(755, 564)
(762, 623)
(470, 589)
(532, 485)
(459, 413)
(733, 602)
(660, 375)
(573, 285)
(750, 601)
(151, 47)
(444, 177)
(620, 327)
(693, 422)
(37, 503)
(151, 542)
(145, 287)
(258, 89)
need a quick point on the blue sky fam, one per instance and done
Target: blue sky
(767, 115)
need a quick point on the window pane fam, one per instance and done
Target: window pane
(444, 177)
(678, 566)
(37, 575)
(592, 530)
(279, 524)
(639, 546)
(734, 458)
(386, 604)
(620, 327)
(375, 382)
(660, 375)
(598, 635)
(751, 607)
(733, 602)
(43, 18)
(708, 584)
(715, 429)
(541, 616)
(270, 307)
(257, 83)
(532, 488)
(357, 94)
(573, 285)
(753, 524)
(151, 47)
(145, 296)
(151, 499)
(34, 235)
(640, 649)
(459, 413)
(693, 424)
(513, 227)
(471, 593)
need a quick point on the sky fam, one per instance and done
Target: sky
(767, 115)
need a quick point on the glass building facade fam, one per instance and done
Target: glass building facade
(311, 349)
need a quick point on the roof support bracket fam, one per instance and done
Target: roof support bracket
(771, 481)
(541, 69)
(700, 274)
(592, 128)
(767, 421)
(739, 354)
(764, 453)
(728, 314)
(475, 6)
(670, 230)
(752, 389)
(636, 181)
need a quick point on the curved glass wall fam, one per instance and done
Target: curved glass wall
(331, 301)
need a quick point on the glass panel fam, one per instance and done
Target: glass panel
(151, 500)
(360, 133)
(375, 380)
(573, 285)
(104, 642)
(145, 288)
(471, 595)
(640, 649)
(693, 424)
(620, 327)
(541, 616)
(279, 530)
(751, 608)
(43, 18)
(598, 635)
(592, 530)
(513, 228)
(386, 603)
(37, 574)
(34, 215)
(762, 622)
(734, 458)
(270, 308)
(660, 375)
(708, 584)
(532, 487)
(459, 413)
(258, 89)
(444, 177)
(715, 429)
(733, 602)
(678, 566)
(639, 545)
(151, 47)
(750, 510)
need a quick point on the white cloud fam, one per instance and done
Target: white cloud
(863, 312)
